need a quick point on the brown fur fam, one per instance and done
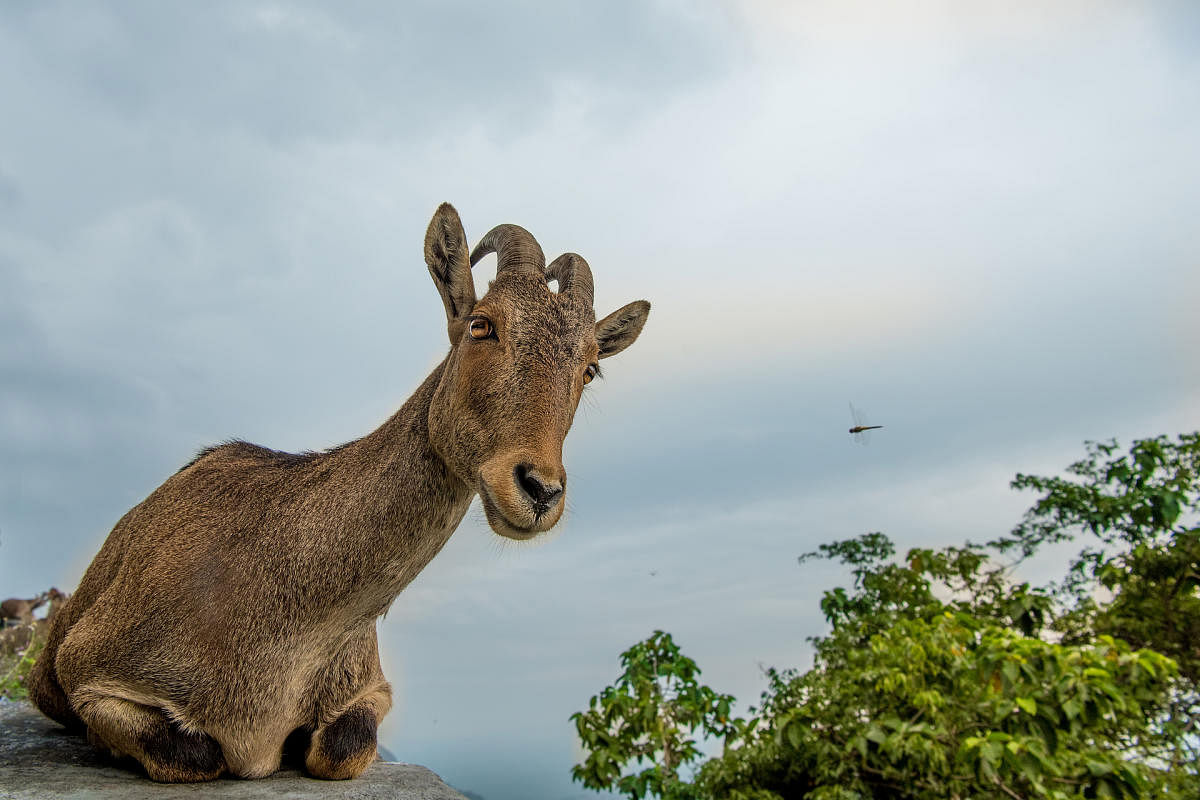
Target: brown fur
(236, 605)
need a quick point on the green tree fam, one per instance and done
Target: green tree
(915, 697)
(1137, 577)
(1056, 691)
(650, 713)
(944, 677)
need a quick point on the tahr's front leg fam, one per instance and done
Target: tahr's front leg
(352, 698)
(347, 745)
(169, 753)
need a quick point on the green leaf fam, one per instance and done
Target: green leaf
(794, 735)
(860, 744)
(1049, 733)
(1072, 708)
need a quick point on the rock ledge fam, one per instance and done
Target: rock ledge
(38, 759)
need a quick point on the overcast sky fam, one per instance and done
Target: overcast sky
(975, 221)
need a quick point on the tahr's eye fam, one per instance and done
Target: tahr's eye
(480, 328)
(590, 373)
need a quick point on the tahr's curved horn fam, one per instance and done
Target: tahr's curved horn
(574, 276)
(515, 249)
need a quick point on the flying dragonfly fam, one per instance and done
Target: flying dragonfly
(862, 428)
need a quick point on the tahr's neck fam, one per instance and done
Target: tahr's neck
(399, 499)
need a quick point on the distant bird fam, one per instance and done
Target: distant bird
(861, 426)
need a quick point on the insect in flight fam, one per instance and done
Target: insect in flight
(862, 428)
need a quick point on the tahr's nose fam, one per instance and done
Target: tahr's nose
(543, 492)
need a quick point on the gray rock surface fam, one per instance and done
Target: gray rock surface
(38, 759)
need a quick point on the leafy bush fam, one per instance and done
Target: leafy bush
(19, 649)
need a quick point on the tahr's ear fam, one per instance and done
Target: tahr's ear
(621, 328)
(448, 258)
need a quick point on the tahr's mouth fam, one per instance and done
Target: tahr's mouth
(528, 522)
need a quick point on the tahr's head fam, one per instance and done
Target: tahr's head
(519, 361)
